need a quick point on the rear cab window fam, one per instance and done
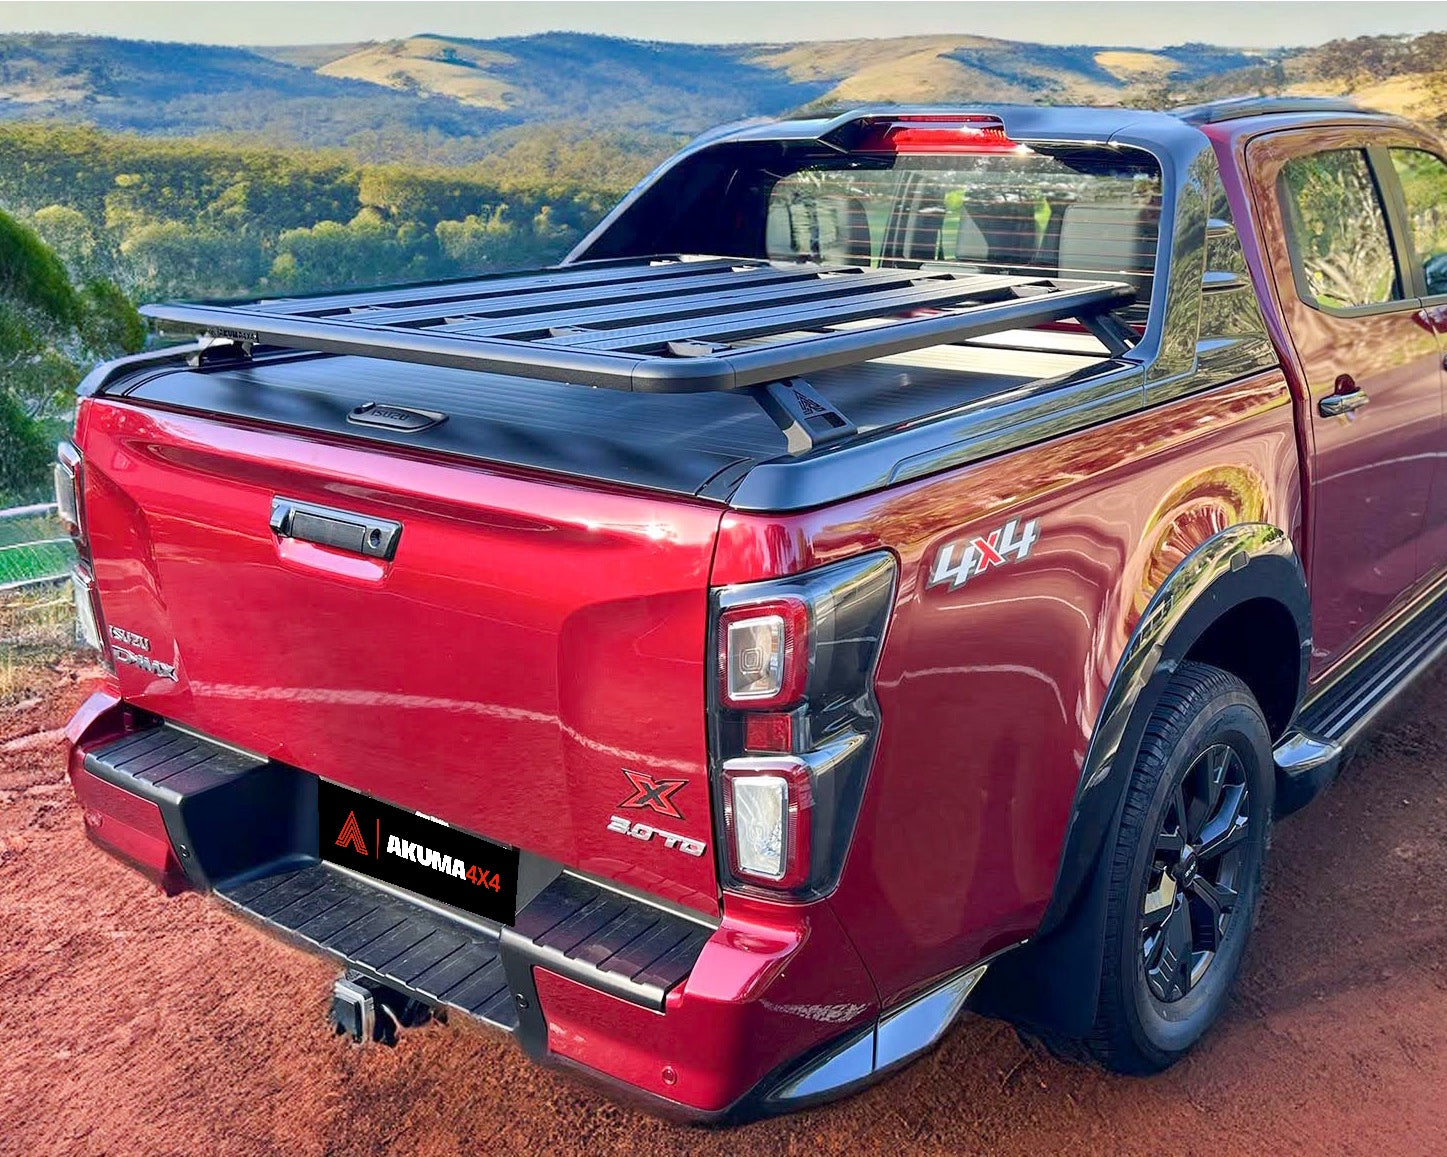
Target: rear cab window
(1084, 216)
(1423, 178)
(1342, 255)
(911, 194)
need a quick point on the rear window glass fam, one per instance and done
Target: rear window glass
(1341, 250)
(1424, 187)
(1094, 216)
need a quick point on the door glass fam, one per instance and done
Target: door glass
(1424, 184)
(1342, 255)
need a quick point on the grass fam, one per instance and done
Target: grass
(37, 630)
(33, 548)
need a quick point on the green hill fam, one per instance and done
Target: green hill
(442, 100)
(439, 98)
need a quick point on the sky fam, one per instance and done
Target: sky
(1150, 24)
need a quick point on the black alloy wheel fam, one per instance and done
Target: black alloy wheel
(1184, 872)
(1194, 879)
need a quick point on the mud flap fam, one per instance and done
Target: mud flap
(1052, 984)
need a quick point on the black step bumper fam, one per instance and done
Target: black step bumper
(246, 829)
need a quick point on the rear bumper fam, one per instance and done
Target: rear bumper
(762, 1011)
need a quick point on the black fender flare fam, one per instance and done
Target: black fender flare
(1061, 963)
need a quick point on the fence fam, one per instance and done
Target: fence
(35, 549)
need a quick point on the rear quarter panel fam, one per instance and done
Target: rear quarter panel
(990, 691)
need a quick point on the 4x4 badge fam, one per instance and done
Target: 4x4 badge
(982, 552)
(653, 793)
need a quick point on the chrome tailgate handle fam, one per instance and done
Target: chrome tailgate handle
(338, 529)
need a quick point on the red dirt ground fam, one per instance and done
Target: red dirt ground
(136, 1024)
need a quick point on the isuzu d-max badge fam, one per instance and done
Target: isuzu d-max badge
(132, 654)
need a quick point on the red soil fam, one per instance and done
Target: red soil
(136, 1024)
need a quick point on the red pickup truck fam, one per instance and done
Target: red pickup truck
(897, 562)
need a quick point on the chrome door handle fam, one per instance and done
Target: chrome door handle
(1344, 402)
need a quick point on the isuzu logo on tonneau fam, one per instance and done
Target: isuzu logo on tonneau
(401, 419)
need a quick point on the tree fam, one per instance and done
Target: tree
(50, 334)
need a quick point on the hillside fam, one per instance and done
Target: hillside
(1396, 74)
(188, 90)
(438, 98)
(960, 68)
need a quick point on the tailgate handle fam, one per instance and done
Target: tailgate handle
(338, 529)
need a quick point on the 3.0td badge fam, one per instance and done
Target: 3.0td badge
(655, 795)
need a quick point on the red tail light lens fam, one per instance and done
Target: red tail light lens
(764, 653)
(768, 731)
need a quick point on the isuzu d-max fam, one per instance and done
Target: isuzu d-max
(896, 563)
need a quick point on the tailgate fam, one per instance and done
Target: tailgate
(528, 643)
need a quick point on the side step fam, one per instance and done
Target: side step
(246, 829)
(1311, 753)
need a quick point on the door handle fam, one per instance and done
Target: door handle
(338, 529)
(1344, 399)
(1335, 405)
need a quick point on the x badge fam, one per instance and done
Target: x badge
(656, 794)
(989, 556)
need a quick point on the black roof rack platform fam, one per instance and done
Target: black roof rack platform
(665, 325)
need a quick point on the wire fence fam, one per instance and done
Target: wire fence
(37, 607)
(35, 550)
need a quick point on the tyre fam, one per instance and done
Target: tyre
(1185, 871)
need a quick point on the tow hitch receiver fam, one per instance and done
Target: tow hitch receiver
(367, 1010)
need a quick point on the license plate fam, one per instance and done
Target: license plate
(421, 855)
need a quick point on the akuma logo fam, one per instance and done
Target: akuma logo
(352, 835)
(656, 794)
(425, 857)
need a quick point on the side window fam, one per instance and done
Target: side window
(1342, 252)
(1424, 185)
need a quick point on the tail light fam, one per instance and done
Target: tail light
(761, 661)
(794, 720)
(67, 488)
(87, 609)
(70, 507)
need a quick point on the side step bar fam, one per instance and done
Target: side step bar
(245, 828)
(1311, 753)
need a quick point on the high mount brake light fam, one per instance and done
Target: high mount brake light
(794, 720)
(937, 134)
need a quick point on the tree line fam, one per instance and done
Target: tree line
(93, 222)
(210, 218)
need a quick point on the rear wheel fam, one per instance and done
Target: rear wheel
(1185, 872)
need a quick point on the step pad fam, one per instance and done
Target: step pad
(402, 944)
